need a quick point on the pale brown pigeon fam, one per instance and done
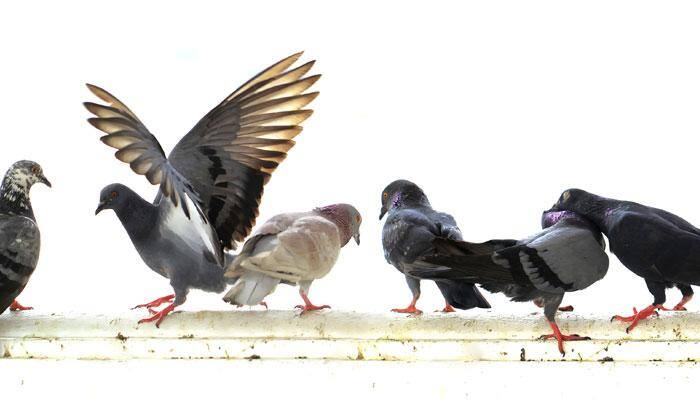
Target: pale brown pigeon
(292, 248)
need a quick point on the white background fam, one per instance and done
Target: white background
(494, 108)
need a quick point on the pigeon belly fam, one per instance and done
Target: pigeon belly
(179, 250)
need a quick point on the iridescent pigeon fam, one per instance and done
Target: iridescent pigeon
(566, 256)
(409, 231)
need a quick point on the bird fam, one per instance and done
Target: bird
(660, 247)
(410, 228)
(19, 233)
(211, 184)
(294, 248)
(567, 255)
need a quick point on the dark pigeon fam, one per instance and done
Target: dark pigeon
(566, 256)
(409, 231)
(660, 247)
(19, 232)
(212, 181)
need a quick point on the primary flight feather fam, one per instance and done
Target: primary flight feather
(217, 170)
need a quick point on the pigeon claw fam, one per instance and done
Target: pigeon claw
(566, 309)
(561, 338)
(310, 307)
(681, 306)
(639, 316)
(448, 309)
(158, 316)
(155, 303)
(15, 306)
(408, 310)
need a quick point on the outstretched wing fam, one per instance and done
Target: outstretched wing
(137, 147)
(229, 155)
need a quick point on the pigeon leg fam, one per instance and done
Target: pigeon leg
(159, 316)
(414, 285)
(561, 338)
(448, 308)
(411, 309)
(638, 316)
(687, 293)
(15, 306)
(308, 306)
(540, 303)
(551, 305)
(155, 303)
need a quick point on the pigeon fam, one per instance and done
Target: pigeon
(657, 245)
(19, 232)
(211, 184)
(409, 230)
(566, 256)
(294, 248)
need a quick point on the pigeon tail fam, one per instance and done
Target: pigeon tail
(462, 295)
(251, 288)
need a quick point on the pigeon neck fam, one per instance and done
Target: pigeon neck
(597, 210)
(340, 218)
(14, 198)
(137, 215)
(409, 200)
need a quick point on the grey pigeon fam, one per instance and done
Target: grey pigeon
(19, 232)
(658, 246)
(294, 248)
(212, 182)
(566, 256)
(409, 231)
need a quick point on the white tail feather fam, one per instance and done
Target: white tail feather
(251, 288)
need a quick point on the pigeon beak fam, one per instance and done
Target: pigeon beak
(357, 238)
(43, 180)
(381, 214)
(100, 207)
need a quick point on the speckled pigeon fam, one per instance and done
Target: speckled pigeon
(660, 247)
(19, 232)
(211, 184)
(294, 248)
(566, 256)
(411, 226)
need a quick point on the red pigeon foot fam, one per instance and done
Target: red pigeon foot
(638, 316)
(561, 338)
(681, 306)
(159, 316)
(308, 306)
(15, 306)
(448, 308)
(157, 302)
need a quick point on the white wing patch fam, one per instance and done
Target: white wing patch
(196, 231)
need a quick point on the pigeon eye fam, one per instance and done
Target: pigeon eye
(357, 219)
(566, 196)
(35, 169)
(385, 195)
(113, 195)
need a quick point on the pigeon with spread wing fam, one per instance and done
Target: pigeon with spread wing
(211, 184)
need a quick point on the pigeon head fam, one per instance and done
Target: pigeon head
(580, 202)
(114, 197)
(402, 193)
(22, 175)
(346, 217)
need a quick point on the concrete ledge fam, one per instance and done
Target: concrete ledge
(334, 335)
